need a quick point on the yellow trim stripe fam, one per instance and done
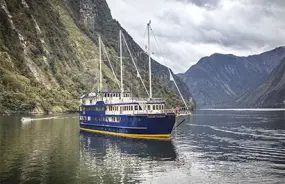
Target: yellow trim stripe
(135, 136)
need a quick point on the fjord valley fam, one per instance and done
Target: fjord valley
(226, 80)
(49, 56)
(83, 99)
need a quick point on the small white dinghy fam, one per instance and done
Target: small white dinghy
(24, 119)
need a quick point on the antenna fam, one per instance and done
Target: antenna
(100, 64)
(149, 60)
(121, 61)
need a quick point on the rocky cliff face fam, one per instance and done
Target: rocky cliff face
(49, 55)
(270, 93)
(219, 79)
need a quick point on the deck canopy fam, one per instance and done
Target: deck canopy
(106, 93)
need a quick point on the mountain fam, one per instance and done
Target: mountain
(49, 55)
(219, 79)
(270, 93)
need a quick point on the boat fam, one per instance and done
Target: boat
(25, 119)
(119, 113)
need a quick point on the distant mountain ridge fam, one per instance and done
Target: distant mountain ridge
(219, 79)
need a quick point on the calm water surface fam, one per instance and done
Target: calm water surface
(210, 147)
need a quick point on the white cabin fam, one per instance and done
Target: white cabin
(117, 105)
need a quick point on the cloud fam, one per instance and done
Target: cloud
(187, 30)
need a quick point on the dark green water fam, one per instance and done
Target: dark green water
(211, 147)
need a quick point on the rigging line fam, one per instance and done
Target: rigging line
(144, 35)
(158, 49)
(135, 64)
(170, 74)
(111, 66)
(178, 124)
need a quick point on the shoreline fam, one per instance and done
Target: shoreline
(36, 113)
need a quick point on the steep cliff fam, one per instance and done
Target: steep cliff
(49, 55)
(270, 93)
(219, 79)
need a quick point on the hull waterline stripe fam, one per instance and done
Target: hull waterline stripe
(136, 136)
(141, 128)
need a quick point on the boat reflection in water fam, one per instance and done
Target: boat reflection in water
(150, 149)
(123, 160)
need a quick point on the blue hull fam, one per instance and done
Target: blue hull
(146, 126)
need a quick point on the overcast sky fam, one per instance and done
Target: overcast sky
(187, 30)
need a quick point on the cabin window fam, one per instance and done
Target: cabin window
(148, 107)
(136, 107)
(132, 108)
(140, 108)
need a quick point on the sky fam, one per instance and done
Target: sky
(187, 30)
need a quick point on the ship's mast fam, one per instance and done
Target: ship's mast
(149, 59)
(100, 65)
(121, 61)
